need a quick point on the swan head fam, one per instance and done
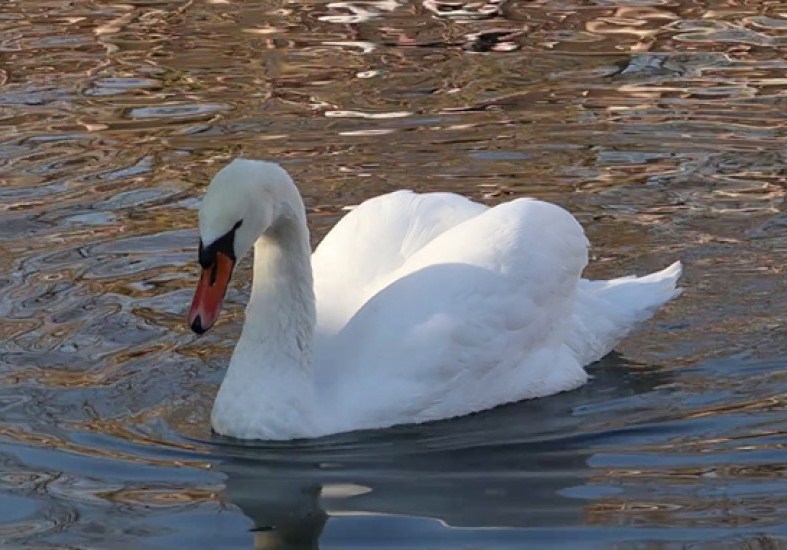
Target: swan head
(238, 207)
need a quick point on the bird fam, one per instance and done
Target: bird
(413, 308)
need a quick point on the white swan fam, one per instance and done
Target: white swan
(427, 306)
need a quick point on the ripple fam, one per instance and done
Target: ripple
(721, 32)
(358, 12)
(374, 116)
(120, 85)
(463, 10)
(178, 110)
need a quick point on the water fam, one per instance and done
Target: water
(659, 124)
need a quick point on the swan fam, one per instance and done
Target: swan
(414, 307)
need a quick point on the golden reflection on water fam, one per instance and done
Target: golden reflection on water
(660, 124)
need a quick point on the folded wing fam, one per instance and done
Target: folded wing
(356, 258)
(475, 317)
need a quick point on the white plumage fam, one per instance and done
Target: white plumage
(428, 306)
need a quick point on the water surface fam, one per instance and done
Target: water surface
(659, 123)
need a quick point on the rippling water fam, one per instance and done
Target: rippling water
(660, 123)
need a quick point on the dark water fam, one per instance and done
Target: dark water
(660, 124)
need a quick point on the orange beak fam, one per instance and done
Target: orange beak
(210, 293)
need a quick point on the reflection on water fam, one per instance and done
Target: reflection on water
(660, 124)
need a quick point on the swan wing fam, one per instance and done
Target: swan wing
(476, 317)
(374, 240)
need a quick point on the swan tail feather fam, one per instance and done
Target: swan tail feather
(607, 311)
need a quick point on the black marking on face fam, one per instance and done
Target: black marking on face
(224, 244)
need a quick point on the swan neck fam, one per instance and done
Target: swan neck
(281, 315)
(268, 390)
